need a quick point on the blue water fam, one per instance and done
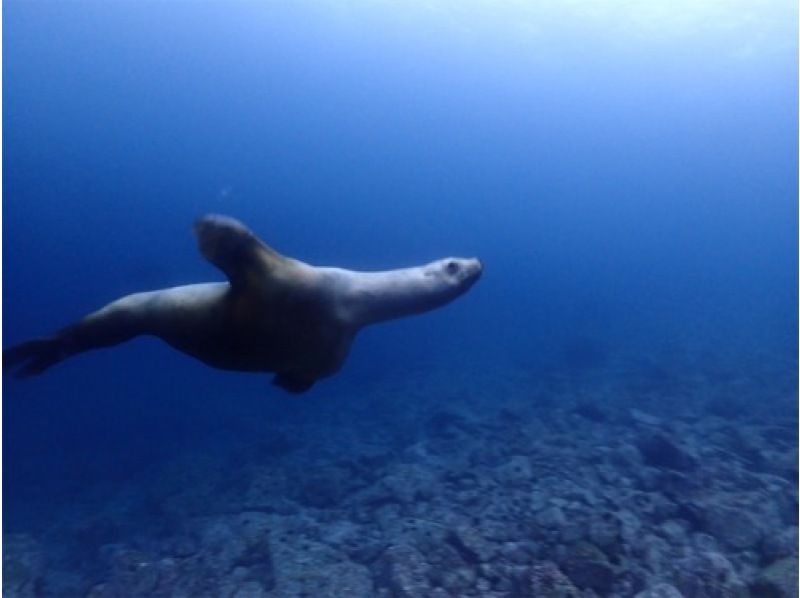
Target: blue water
(627, 174)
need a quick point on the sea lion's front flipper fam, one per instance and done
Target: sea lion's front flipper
(293, 383)
(234, 249)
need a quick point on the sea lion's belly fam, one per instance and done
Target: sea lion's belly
(248, 332)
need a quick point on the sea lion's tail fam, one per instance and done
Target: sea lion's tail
(33, 357)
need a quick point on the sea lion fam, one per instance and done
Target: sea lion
(275, 314)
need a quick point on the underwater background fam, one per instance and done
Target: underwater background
(610, 411)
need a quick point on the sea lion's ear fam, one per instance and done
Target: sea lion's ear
(234, 249)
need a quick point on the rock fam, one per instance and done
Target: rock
(659, 451)
(631, 580)
(23, 566)
(341, 533)
(502, 577)
(588, 567)
(243, 540)
(387, 517)
(573, 531)
(181, 546)
(546, 579)
(704, 542)
(655, 554)
(778, 580)
(747, 564)
(483, 588)
(708, 575)
(250, 589)
(782, 544)
(170, 572)
(538, 500)
(444, 425)
(519, 553)
(471, 545)
(330, 580)
(650, 506)
(433, 541)
(645, 419)
(409, 483)
(458, 581)
(516, 471)
(676, 484)
(604, 531)
(627, 457)
(366, 552)
(344, 579)
(734, 527)
(661, 590)
(674, 531)
(660, 509)
(630, 526)
(788, 506)
(552, 517)
(441, 559)
(324, 487)
(304, 567)
(649, 478)
(406, 571)
(133, 573)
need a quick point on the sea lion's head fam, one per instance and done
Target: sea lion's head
(371, 297)
(454, 276)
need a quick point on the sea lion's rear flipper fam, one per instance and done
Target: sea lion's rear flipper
(234, 249)
(293, 383)
(33, 357)
(117, 322)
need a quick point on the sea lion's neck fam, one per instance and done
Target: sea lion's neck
(372, 297)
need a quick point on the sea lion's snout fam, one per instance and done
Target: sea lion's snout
(473, 268)
(478, 266)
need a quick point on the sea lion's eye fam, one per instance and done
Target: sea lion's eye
(451, 267)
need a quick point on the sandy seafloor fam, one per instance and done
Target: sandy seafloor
(590, 475)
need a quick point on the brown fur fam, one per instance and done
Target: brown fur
(275, 314)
